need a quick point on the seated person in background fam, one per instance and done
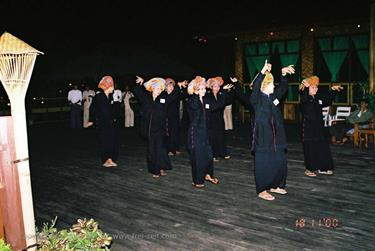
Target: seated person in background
(340, 129)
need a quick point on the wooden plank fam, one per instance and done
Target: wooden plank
(169, 214)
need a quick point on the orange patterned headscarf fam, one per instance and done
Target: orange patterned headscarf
(106, 82)
(215, 81)
(313, 80)
(195, 84)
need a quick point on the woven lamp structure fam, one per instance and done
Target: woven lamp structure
(16, 65)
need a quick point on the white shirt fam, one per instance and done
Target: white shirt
(75, 96)
(117, 96)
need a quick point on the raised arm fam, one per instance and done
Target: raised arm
(243, 97)
(256, 89)
(282, 88)
(283, 85)
(328, 99)
(139, 92)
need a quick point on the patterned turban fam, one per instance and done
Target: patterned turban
(154, 82)
(106, 82)
(195, 84)
(215, 81)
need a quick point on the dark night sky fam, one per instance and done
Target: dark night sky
(83, 37)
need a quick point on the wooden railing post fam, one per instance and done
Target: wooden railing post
(10, 198)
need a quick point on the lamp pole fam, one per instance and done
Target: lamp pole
(17, 61)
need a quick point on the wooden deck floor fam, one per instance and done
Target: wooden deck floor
(168, 214)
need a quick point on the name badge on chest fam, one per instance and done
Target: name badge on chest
(320, 102)
(276, 102)
(162, 100)
(207, 106)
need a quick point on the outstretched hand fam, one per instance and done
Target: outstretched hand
(234, 79)
(139, 80)
(228, 87)
(337, 88)
(288, 70)
(182, 84)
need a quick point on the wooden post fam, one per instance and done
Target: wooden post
(238, 70)
(10, 197)
(2, 236)
(372, 47)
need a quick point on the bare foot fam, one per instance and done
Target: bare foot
(309, 173)
(265, 196)
(328, 172)
(108, 163)
(198, 185)
(278, 190)
(212, 180)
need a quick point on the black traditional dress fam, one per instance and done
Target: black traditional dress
(173, 123)
(269, 140)
(244, 99)
(216, 126)
(198, 141)
(315, 138)
(154, 116)
(102, 114)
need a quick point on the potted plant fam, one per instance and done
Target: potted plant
(4, 246)
(84, 235)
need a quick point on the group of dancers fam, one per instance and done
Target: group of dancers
(159, 97)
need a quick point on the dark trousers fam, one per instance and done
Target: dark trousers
(339, 130)
(109, 143)
(198, 171)
(201, 163)
(317, 154)
(219, 146)
(270, 170)
(75, 117)
(173, 138)
(157, 157)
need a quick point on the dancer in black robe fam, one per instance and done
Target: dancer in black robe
(102, 113)
(216, 126)
(315, 140)
(172, 140)
(154, 105)
(198, 141)
(244, 100)
(269, 140)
